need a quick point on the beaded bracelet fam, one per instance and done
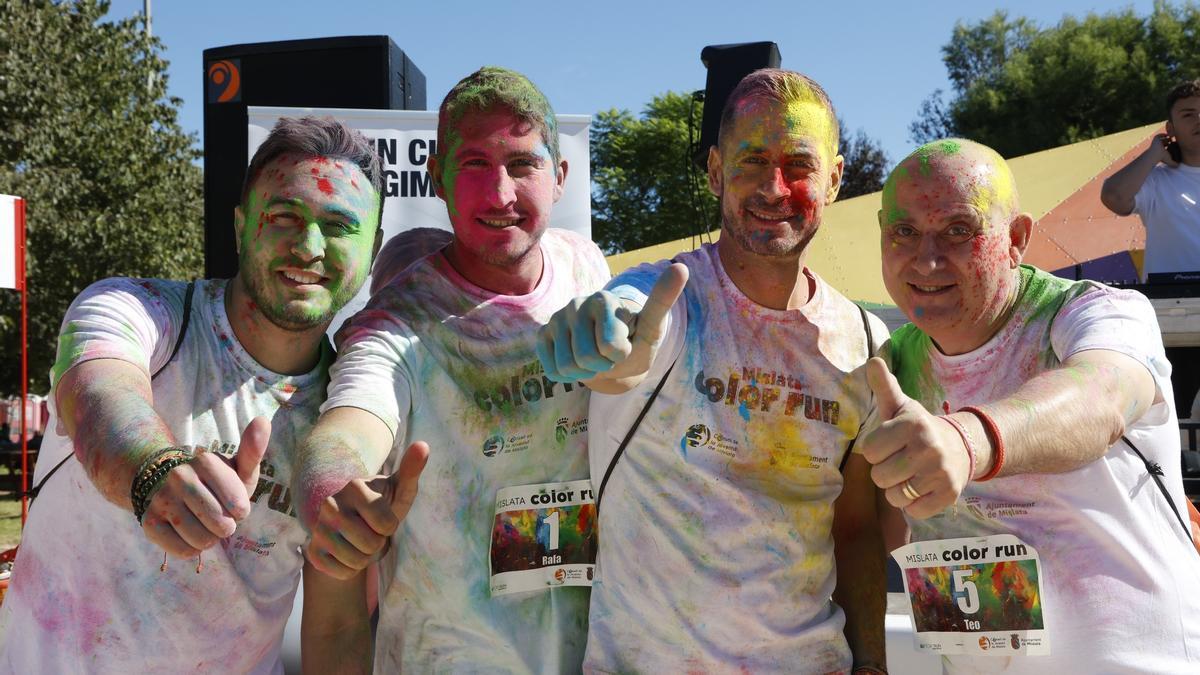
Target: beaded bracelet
(151, 475)
(993, 431)
(967, 441)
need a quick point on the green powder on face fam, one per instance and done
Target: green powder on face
(892, 212)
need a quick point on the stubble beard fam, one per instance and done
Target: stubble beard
(773, 247)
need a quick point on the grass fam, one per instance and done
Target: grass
(10, 521)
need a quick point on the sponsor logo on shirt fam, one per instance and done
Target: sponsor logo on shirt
(499, 444)
(564, 428)
(700, 436)
(754, 390)
(528, 386)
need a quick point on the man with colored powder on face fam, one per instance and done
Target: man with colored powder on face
(1164, 188)
(445, 353)
(183, 403)
(721, 518)
(1028, 395)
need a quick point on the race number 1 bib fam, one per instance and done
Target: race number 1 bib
(543, 536)
(975, 596)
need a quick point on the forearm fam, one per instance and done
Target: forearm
(335, 630)
(1120, 189)
(862, 594)
(346, 443)
(1061, 419)
(107, 409)
(859, 556)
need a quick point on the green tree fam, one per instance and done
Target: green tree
(90, 139)
(1020, 89)
(645, 189)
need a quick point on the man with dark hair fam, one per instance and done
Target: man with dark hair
(1162, 185)
(1040, 436)
(739, 402)
(480, 575)
(155, 383)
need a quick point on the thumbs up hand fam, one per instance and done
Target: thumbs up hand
(919, 461)
(202, 501)
(355, 526)
(603, 335)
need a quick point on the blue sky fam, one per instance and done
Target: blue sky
(877, 61)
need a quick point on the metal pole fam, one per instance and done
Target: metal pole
(24, 359)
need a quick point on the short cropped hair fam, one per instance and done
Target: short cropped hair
(782, 86)
(316, 137)
(1182, 90)
(491, 87)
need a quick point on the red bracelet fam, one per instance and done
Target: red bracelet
(968, 443)
(993, 432)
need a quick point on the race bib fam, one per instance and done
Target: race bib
(543, 536)
(975, 596)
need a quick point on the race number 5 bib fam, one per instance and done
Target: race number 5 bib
(543, 536)
(975, 596)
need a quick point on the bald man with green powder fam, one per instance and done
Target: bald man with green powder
(1030, 438)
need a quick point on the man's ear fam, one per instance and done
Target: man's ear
(434, 167)
(835, 180)
(716, 177)
(560, 179)
(1019, 232)
(239, 224)
(1170, 128)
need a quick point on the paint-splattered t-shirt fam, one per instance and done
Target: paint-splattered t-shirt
(87, 593)
(1169, 204)
(441, 360)
(716, 552)
(1120, 582)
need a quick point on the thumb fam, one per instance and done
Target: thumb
(404, 481)
(666, 291)
(251, 450)
(889, 398)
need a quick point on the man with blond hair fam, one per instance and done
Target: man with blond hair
(1030, 423)
(733, 378)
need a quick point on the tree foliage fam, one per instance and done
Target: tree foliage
(1020, 88)
(645, 190)
(90, 139)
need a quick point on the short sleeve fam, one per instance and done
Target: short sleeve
(1146, 197)
(1115, 320)
(375, 365)
(132, 320)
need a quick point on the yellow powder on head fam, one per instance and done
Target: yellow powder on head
(809, 115)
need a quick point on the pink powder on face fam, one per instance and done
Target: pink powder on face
(325, 186)
(315, 171)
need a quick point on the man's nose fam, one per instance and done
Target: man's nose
(310, 244)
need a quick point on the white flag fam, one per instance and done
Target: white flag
(12, 235)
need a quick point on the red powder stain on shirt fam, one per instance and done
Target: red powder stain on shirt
(325, 186)
(354, 183)
(316, 171)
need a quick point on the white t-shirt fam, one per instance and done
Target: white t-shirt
(87, 593)
(1120, 580)
(716, 552)
(1169, 204)
(441, 360)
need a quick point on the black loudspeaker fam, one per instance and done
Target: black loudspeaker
(367, 71)
(727, 65)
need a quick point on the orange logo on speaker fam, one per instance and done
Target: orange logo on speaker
(224, 82)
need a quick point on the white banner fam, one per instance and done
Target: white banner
(405, 139)
(11, 228)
